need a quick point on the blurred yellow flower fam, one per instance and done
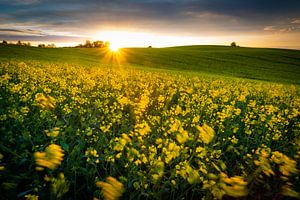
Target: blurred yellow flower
(31, 197)
(235, 186)
(112, 189)
(287, 190)
(206, 133)
(45, 101)
(53, 133)
(51, 158)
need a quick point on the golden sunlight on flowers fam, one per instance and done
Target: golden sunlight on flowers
(287, 190)
(206, 133)
(235, 186)
(221, 185)
(50, 158)
(287, 166)
(163, 135)
(53, 133)
(157, 170)
(45, 101)
(112, 189)
(263, 161)
(1, 167)
(31, 197)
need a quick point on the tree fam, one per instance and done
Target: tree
(98, 44)
(51, 45)
(4, 42)
(42, 45)
(233, 44)
(88, 44)
(95, 44)
(19, 43)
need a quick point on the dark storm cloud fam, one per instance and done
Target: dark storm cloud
(162, 16)
(7, 31)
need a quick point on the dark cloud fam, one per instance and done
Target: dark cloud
(30, 32)
(42, 38)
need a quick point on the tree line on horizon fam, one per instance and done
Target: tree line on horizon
(4, 42)
(94, 44)
(87, 44)
(27, 44)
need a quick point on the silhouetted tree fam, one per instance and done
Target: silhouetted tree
(19, 43)
(88, 44)
(42, 45)
(51, 46)
(27, 44)
(4, 42)
(98, 44)
(95, 44)
(233, 44)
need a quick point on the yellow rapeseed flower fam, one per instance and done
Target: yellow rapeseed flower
(53, 133)
(182, 136)
(157, 170)
(287, 190)
(287, 166)
(45, 101)
(112, 189)
(206, 133)
(235, 186)
(51, 158)
(31, 197)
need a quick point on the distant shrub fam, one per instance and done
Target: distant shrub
(42, 45)
(233, 44)
(51, 46)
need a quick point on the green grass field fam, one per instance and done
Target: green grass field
(199, 122)
(276, 65)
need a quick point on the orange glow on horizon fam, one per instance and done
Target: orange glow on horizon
(144, 39)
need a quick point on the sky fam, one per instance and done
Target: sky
(159, 23)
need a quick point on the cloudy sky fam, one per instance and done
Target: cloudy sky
(262, 23)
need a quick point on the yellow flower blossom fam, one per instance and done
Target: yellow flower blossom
(59, 186)
(51, 158)
(263, 162)
(112, 189)
(157, 170)
(287, 190)
(235, 186)
(31, 197)
(45, 101)
(182, 136)
(53, 133)
(287, 166)
(206, 133)
(1, 167)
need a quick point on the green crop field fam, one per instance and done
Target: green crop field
(194, 122)
(277, 65)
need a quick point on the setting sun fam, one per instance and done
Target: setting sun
(114, 47)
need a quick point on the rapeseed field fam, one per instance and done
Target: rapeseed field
(71, 132)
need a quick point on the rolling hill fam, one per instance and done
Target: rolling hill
(275, 65)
